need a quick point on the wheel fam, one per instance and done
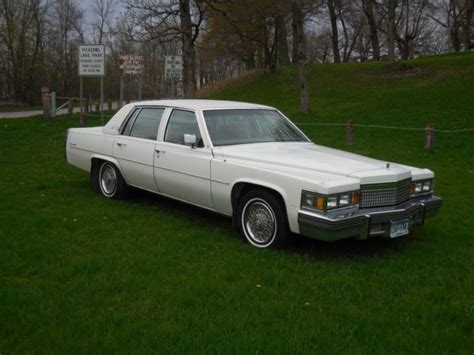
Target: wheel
(106, 178)
(262, 220)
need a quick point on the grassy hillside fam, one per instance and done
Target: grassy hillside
(84, 274)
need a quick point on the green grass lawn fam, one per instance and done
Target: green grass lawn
(80, 273)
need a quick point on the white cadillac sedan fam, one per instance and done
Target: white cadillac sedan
(251, 163)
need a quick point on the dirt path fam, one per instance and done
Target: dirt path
(23, 114)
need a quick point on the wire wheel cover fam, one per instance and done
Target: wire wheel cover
(259, 221)
(108, 179)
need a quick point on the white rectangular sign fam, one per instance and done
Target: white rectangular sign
(131, 64)
(173, 67)
(92, 60)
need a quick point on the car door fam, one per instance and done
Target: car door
(134, 148)
(182, 171)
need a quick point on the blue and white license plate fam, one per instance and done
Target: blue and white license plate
(399, 228)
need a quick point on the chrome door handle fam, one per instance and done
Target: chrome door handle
(121, 144)
(159, 151)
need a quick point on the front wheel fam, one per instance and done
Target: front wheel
(262, 220)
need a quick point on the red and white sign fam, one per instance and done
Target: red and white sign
(131, 64)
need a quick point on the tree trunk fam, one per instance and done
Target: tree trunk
(391, 31)
(368, 6)
(189, 55)
(294, 38)
(404, 48)
(335, 36)
(455, 41)
(454, 30)
(467, 23)
(280, 26)
(298, 19)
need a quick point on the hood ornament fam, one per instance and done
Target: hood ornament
(388, 166)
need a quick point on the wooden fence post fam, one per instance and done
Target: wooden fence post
(70, 107)
(430, 136)
(52, 107)
(350, 133)
(109, 105)
(45, 99)
(97, 106)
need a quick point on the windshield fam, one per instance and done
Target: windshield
(228, 127)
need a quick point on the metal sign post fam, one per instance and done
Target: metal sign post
(173, 70)
(92, 64)
(102, 100)
(121, 91)
(80, 89)
(140, 84)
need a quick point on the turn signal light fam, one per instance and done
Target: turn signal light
(355, 198)
(320, 202)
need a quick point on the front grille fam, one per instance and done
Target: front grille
(379, 195)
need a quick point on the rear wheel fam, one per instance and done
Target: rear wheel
(106, 178)
(262, 219)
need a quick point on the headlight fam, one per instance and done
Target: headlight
(332, 202)
(344, 200)
(421, 187)
(418, 187)
(427, 186)
(317, 202)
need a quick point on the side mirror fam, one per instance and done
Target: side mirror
(190, 139)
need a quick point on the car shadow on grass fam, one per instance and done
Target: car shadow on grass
(183, 209)
(347, 248)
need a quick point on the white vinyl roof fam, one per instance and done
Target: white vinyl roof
(113, 126)
(201, 104)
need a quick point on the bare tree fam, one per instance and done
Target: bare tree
(103, 10)
(410, 24)
(282, 40)
(467, 23)
(21, 33)
(456, 16)
(391, 32)
(298, 19)
(65, 33)
(368, 7)
(352, 25)
(167, 21)
(189, 55)
(335, 36)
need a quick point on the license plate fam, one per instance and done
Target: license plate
(399, 228)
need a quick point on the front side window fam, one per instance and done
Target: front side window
(229, 127)
(180, 123)
(146, 123)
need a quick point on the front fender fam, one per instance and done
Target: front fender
(262, 183)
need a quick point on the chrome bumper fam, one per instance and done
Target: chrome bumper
(365, 223)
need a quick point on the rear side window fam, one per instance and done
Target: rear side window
(146, 123)
(181, 123)
(129, 124)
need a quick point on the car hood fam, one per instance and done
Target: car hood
(319, 159)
